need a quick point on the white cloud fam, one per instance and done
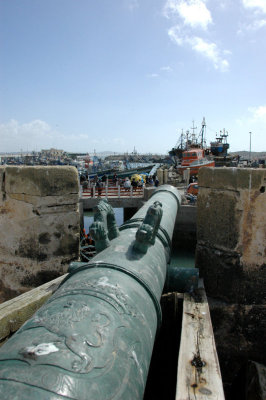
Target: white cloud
(259, 23)
(259, 5)
(153, 75)
(193, 13)
(256, 12)
(33, 135)
(207, 49)
(167, 69)
(176, 35)
(258, 113)
(255, 16)
(132, 4)
(254, 26)
(210, 51)
(37, 135)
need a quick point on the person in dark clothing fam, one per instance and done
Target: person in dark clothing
(115, 179)
(85, 185)
(99, 186)
(134, 184)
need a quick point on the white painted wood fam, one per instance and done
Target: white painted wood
(199, 376)
(14, 312)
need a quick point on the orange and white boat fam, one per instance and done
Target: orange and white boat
(194, 159)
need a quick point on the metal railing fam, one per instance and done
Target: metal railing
(111, 191)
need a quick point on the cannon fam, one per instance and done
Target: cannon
(94, 337)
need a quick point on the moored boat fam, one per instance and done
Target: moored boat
(194, 159)
(220, 146)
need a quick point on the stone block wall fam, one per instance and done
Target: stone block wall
(231, 233)
(231, 257)
(39, 221)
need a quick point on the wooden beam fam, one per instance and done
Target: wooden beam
(14, 312)
(198, 376)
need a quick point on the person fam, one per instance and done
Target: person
(99, 186)
(127, 184)
(134, 183)
(115, 179)
(156, 181)
(85, 185)
(151, 182)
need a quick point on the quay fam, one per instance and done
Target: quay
(224, 318)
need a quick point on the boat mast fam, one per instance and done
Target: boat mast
(193, 134)
(203, 128)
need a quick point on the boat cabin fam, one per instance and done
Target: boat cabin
(192, 155)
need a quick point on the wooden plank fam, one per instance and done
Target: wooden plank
(198, 376)
(14, 312)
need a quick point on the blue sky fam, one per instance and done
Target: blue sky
(112, 75)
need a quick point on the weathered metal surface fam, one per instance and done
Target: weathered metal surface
(104, 227)
(93, 339)
(148, 230)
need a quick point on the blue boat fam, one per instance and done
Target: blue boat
(220, 146)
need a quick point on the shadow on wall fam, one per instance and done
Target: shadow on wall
(40, 225)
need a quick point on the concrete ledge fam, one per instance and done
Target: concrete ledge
(232, 178)
(41, 181)
(114, 202)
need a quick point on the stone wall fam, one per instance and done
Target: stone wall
(39, 220)
(231, 257)
(231, 232)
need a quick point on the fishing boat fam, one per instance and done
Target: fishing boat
(220, 146)
(194, 159)
(219, 149)
(191, 151)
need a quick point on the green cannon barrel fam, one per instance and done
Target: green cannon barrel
(94, 337)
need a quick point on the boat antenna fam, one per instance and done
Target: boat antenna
(187, 134)
(194, 127)
(193, 134)
(203, 128)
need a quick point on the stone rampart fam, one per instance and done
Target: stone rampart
(39, 220)
(231, 257)
(231, 233)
